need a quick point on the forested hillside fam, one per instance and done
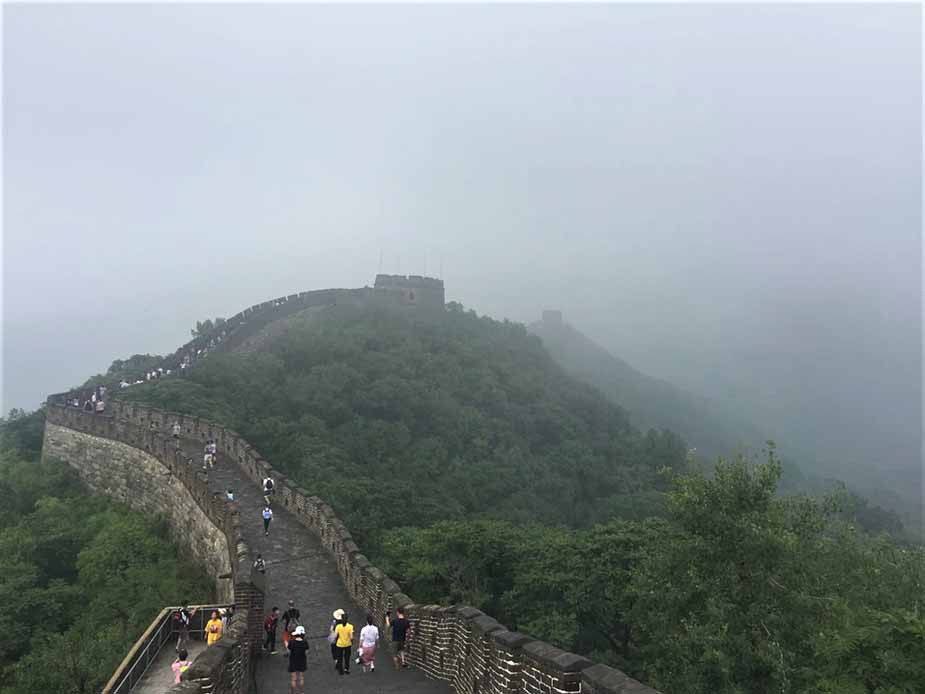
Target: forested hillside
(474, 469)
(400, 420)
(651, 402)
(81, 576)
(714, 430)
(736, 590)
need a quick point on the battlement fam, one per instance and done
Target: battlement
(458, 645)
(553, 317)
(410, 290)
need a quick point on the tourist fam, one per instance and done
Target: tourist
(268, 486)
(180, 665)
(267, 514)
(369, 639)
(344, 633)
(207, 461)
(229, 495)
(213, 628)
(269, 627)
(332, 637)
(183, 617)
(88, 406)
(227, 614)
(100, 406)
(260, 564)
(400, 627)
(298, 652)
(290, 621)
(175, 430)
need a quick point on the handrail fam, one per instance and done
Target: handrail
(125, 677)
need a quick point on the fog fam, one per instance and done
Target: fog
(728, 197)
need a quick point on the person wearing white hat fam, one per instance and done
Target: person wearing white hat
(298, 660)
(332, 637)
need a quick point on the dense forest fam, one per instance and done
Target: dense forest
(713, 429)
(468, 416)
(81, 576)
(473, 469)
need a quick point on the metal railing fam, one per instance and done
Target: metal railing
(148, 646)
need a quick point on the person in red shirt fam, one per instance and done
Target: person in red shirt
(269, 626)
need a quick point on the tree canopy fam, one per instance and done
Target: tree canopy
(474, 469)
(81, 576)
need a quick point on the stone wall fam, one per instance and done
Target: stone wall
(459, 644)
(410, 290)
(126, 460)
(137, 478)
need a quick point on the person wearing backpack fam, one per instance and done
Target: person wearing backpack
(182, 619)
(267, 514)
(290, 622)
(268, 486)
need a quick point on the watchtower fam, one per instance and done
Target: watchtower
(410, 290)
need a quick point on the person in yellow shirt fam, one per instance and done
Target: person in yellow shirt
(213, 628)
(344, 640)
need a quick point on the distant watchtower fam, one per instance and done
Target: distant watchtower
(410, 290)
(552, 317)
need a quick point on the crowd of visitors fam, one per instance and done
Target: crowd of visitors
(96, 403)
(341, 633)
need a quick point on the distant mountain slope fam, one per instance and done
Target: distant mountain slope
(400, 418)
(652, 403)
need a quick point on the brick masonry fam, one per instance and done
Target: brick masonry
(457, 644)
(141, 468)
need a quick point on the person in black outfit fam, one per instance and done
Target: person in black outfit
(298, 661)
(290, 622)
(400, 627)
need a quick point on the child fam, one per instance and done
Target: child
(180, 665)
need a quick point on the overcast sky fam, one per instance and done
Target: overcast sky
(728, 197)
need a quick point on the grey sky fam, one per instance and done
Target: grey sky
(725, 196)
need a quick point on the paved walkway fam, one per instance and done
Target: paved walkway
(159, 677)
(300, 569)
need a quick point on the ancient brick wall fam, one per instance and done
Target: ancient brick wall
(135, 477)
(123, 458)
(458, 644)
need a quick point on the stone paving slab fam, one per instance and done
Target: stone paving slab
(299, 568)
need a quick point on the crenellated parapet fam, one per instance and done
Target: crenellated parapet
(121, 455)
(456, 643)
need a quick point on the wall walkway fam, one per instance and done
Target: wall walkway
(313, 559)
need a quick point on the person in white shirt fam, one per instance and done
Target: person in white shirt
(369, 639)
(267, 514)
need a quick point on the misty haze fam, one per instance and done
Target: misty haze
(518, 294)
